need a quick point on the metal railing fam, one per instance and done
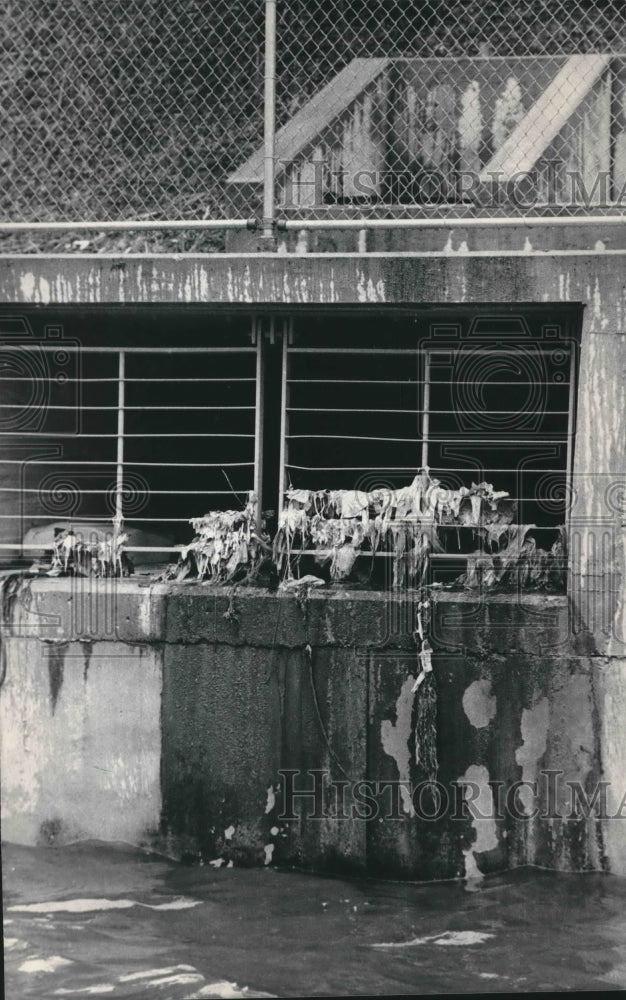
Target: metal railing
(160, 124)
(364, 418)
(166, 434)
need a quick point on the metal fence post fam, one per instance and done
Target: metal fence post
(269, 123)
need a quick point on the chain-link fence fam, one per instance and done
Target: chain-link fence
(153, 109)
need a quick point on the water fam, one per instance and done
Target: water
(116, 922)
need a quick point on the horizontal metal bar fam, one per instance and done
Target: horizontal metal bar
(82, 437)
(508, 442)
(115, 381)
(351, 437)
(487, 468)
(443, 222)
(131, 519)
(447, 470)
(499, 350)
(353, 381)
(61, 489)
(446, 222)
(451, 556)
(395, 468)
(433, 382)
(30, 546)
(354, 350)
(142, 409)
(336, 409)
(124, 225)
(326, 409)
(144, 465)
(61, 346)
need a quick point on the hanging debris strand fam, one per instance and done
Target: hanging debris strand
(73, 556)
(406, 523)
(227, 547)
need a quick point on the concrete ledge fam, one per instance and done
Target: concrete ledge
(125, 611)
(448, 278)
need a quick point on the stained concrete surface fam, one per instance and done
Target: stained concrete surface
(109, 920)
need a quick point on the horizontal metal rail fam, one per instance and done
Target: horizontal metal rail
(128, 463)
(100, 518)
(487, 383)
(498, 350)
(287, 225)
(61, 489)
(80, 437)
(332, 409)
(114, 381)
(61, 346)
(125, 225)
(447, 222)
(117, 410)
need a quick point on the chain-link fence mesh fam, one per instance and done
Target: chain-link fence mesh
(494, 105)
(125, 109)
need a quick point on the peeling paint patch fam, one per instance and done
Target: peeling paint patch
(479, 798)
(479, 704)
(395, 740)
(535, 723)
(44, 291)
(271, 800)
(27, 286)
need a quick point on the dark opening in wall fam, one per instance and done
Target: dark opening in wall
(162, 414)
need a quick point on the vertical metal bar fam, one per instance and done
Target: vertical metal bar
(570, 415)
(426, 411)
(283, 423)
(119, 481)
(569, 474)
(258, 420)
(269, 129)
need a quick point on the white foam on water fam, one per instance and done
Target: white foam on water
(51, 964)
(223, 989)
(459, 938)
(74, 906)
(97, 989)
(89, 905)
(176, 904)
(182, 979)
(463, 937)
(132, 977)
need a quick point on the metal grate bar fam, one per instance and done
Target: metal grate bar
(111, 462)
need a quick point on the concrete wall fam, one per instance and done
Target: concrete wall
(172, 728)
(235, 706)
